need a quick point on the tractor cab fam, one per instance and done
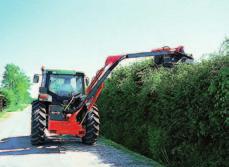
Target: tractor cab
(65, 85)
(60, 85)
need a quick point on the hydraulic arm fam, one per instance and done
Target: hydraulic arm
(97, 84)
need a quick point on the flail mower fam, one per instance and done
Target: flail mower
(66, 100)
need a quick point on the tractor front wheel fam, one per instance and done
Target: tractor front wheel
(92, 127)
(38, 123)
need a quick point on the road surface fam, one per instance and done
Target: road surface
(16, 150)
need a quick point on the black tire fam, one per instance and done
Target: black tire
(38, 123)
(92, 127)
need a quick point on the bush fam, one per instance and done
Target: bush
(9, 96)
(178, 116)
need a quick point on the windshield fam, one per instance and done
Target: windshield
(65, 85)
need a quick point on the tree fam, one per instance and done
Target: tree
(15, 85)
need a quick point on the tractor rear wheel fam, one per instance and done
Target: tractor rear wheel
(38, 123)
(92, 127)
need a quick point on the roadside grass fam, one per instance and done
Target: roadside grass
(16, 108)
(6, 112)
(3, 115)
(135, 155)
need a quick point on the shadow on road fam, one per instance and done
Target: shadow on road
(21, 146)
(105, 154)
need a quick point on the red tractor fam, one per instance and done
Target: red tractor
(66, 101)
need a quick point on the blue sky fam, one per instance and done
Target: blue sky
(79, 35)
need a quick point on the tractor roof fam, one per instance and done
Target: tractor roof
(67, 72)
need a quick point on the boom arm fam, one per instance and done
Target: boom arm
(97, 84)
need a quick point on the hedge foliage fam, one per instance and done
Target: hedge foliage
(15, 87)
(178, 117)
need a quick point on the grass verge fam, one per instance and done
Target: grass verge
(17, 108)
(3, 115)
(6, 112)
(135, 155)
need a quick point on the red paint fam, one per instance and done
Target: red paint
(66, 128)
(43, 96)
(109, 61)
(112, 59)
(177, 49)
(94, 80)
(94, 99)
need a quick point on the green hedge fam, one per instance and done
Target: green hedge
(178, 117)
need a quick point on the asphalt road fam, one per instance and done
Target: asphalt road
(16, 150)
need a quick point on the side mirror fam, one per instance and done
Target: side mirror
(87, 81)
(36, 78)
